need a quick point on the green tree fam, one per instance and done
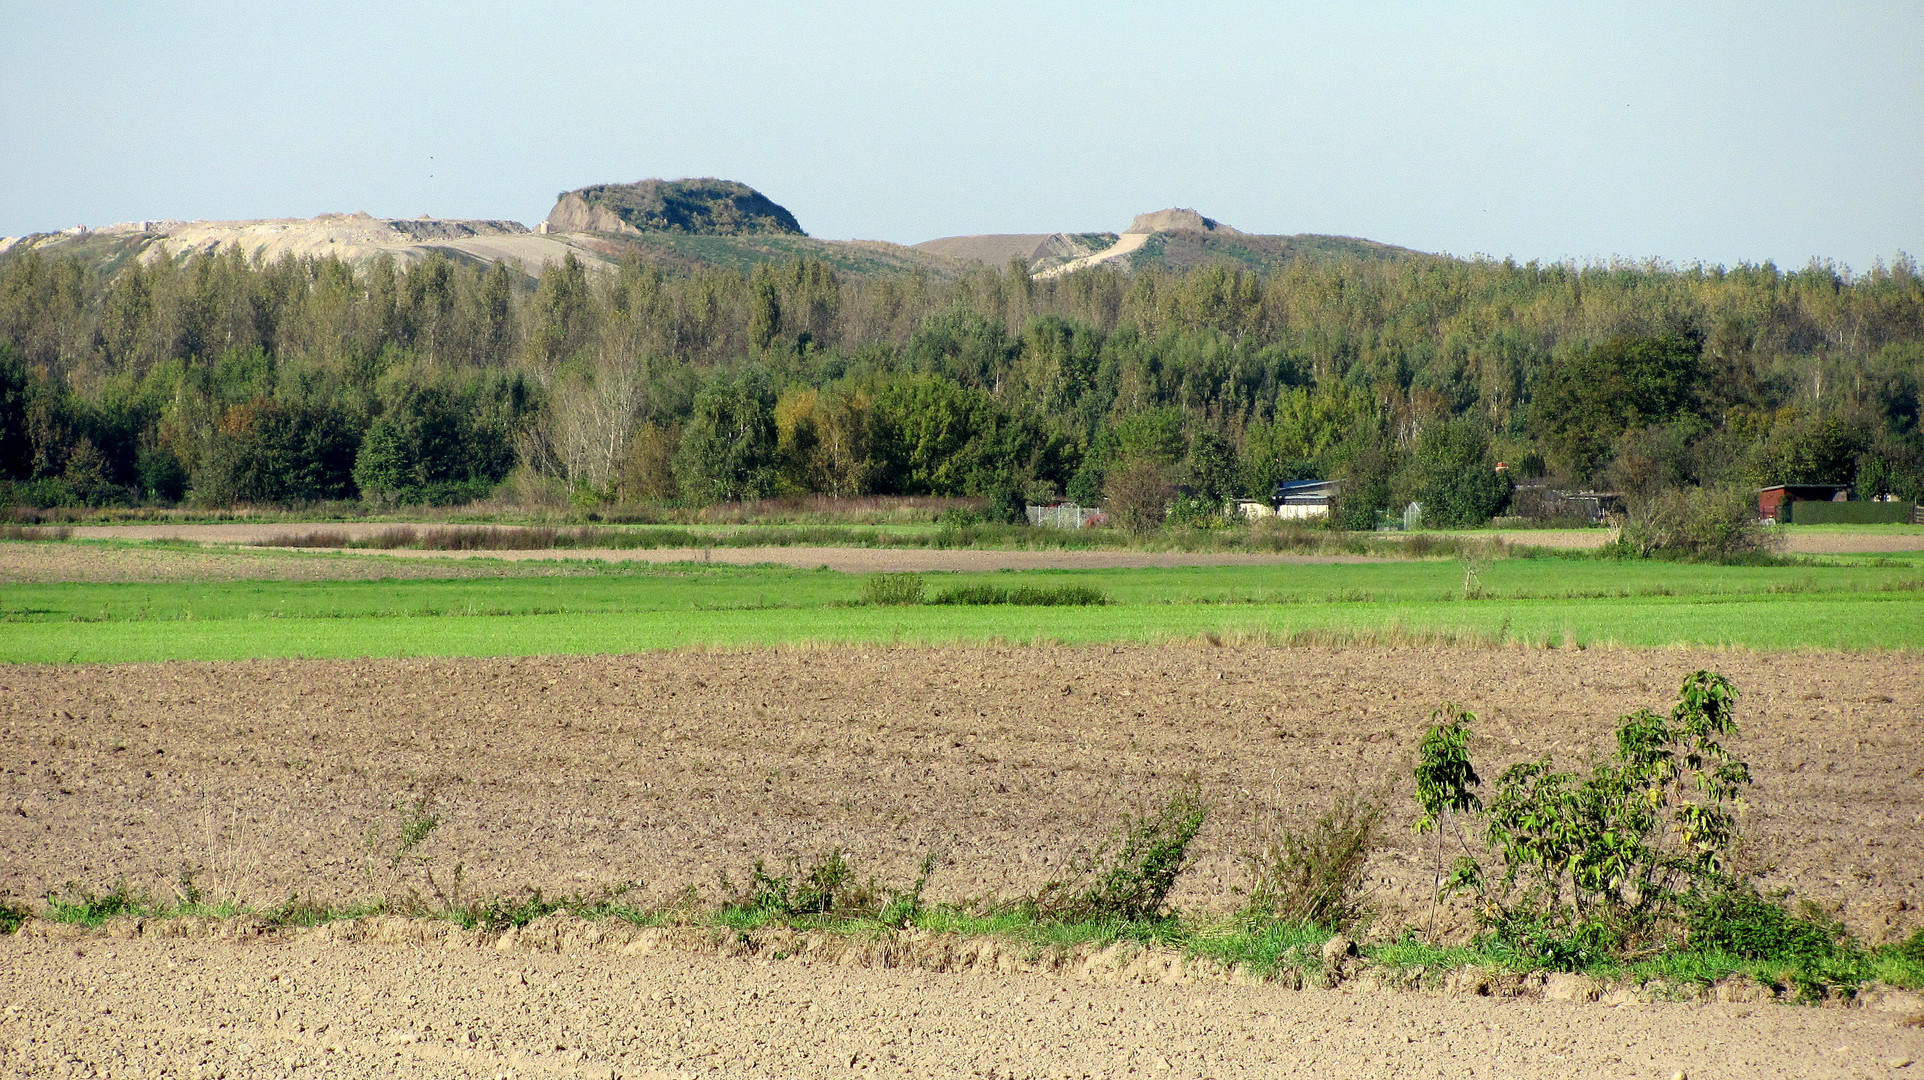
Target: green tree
(1452, 473)
(1810, 448)
(728, 448)
(430, 446)
(1588, 399)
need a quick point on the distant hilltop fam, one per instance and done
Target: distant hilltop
(1178, 219)
(685, 224)
(1178, 238)
(704, 206)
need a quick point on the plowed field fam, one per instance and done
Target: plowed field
(258, 780)
(266, 779)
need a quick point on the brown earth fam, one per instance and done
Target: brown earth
(672, 769)
(313, 1005)
(277, 777)
(53, 562)
(1798, 543)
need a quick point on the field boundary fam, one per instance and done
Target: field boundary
(1337, 963)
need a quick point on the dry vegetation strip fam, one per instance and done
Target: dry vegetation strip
(670, 769)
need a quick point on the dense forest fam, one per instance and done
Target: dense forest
(216, 381)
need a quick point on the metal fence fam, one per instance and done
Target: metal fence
(1064, 516)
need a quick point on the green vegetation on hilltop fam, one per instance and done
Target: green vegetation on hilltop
(705, 206)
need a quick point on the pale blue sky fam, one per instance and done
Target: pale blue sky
(1720, 132)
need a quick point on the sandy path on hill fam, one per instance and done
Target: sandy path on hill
(1126, 244)
(317, 1009)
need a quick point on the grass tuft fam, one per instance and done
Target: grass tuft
(1315, 877)
(893, 589)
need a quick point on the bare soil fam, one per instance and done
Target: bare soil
(272, 778)
(891, 559)
(673, 769)
(55, 562)
(310, 1006)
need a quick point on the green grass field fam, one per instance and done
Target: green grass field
(1850, 603)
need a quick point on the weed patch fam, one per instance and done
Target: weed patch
(1315, 877)
(1129, 877)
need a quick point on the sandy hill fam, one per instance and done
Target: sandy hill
(1177, 238)
(354, 238)
(687, 224)
(679, 224)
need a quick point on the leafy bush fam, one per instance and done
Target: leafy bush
(1695, 523)
(893, 589)
(1317, 876)
(1603, 865)
(1137, 494)
(1129, 877)
(1739, 920)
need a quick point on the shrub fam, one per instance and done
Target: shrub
(801, 892)
(1129, 877)
(893, 589)
(1694, 523)
(1317, 876)
(826, 888)
(1600, 865)
(1739, 920)
(1137, 494)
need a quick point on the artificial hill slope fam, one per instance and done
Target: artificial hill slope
(1173, 239)
(684, 225)
(352, 238)
(681, 225)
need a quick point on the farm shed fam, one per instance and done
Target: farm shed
(1303, 499)
(1777, 503)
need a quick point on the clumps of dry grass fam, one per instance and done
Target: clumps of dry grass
(1316, 875)
(35, 532)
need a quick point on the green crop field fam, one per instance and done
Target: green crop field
(1850, 603)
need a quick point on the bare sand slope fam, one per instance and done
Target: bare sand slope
(319, 1009)
(1128, 244)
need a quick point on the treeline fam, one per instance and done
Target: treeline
(219, 381)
